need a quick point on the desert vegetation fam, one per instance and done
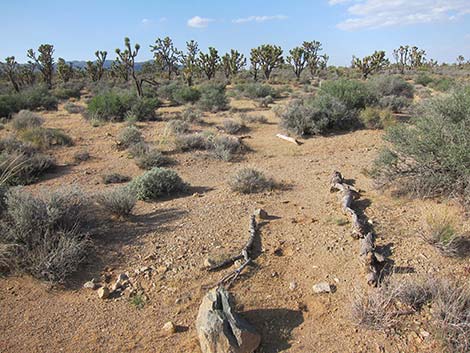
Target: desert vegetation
(198, 142)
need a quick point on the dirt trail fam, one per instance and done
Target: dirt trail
(306, 242)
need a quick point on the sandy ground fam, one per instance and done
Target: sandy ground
(306, 241)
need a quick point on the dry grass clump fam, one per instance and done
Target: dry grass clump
(119, 201)
(253, 119)
(46, 234)
(381, 308)
(191, 115)
(129, 136)
(191, 142)
(44, 138)
(249, 180)
(81, 156)
(177, 127)
(233, 127)
(147, 157)
(225, 147)
(115, 178)
(73, 108)
(442, 233)
(26, 119)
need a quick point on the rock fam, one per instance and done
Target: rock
(261, 214)
(121, 282)
(91, 284)
(103, 293)
(220, 329)
(208, 262)
(322, 287)
(169, 328)
(292, 286)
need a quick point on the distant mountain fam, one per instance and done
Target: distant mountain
(107, 64)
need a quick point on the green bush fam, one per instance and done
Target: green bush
(394, 103)
(155, 183)
(46, 232)
(37, 97)
(186, 94)
(213, 97)
(26, 119)
(44, 138)
(191, 115)
(116, 106)
(430, 156)
(353, 94)
(423, 79)
(73, 108)
(256, 90)
(374, 118)
(225, 147)
(443, 84)
(129, 136)
(249, 180)
(147, 157)
(68, 90)
(177, 127)
(231, 126)
(167, 91)
(190, 142)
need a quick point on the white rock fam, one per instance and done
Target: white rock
(322, 287)
(103, 293)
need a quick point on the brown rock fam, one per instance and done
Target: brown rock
(103, 293)
(169, 328)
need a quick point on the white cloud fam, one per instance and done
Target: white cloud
(199, 22)
(259, 18)
(386, 13)
(145, 21)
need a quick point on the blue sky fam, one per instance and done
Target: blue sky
(345, 27)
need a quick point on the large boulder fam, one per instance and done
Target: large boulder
(220, 329)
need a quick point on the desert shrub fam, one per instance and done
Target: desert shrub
(177, 127)
(265, 102)
(116, 105)
(167, 91)
(394, 103)
(186, 94)
(115, 178)
(81, 156)
(37, 97)
(391, 86)
(47, 232)
(44, 138)
(423, 79)
(374, 118)
(22, 162)
(353, 94)
(449, 301)
(253, 119)
(119, 201)
(430, 156)
(213, 97)
(191, 115)
(73, 108)
(231, 126)
(152, 158)
(190, 142)
(249, 180)
(441, 232)
(26, 119)
(443, 84)
(129, 136)
(256, 90)
(68, 90)
(317, 116)
(225, 147)
(155, 183)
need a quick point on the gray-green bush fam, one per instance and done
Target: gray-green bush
(156, 183)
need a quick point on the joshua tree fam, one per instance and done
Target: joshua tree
(298, 59)
(190, 62)
(209, 62)
(232, 63)
(10, 69)
(460, 60)
(371, 63)
(323, 63)
(255, 62)
(26, 73)
(126, 58)
(166, 55)
(270, 57)
(417, 57)
(64, 70)
(312, 50)
(44, 61)
(119, 70)
(401, 56)
(95, 70)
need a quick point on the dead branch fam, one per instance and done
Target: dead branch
(287, 138)
(246, 255)
(369, 257)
